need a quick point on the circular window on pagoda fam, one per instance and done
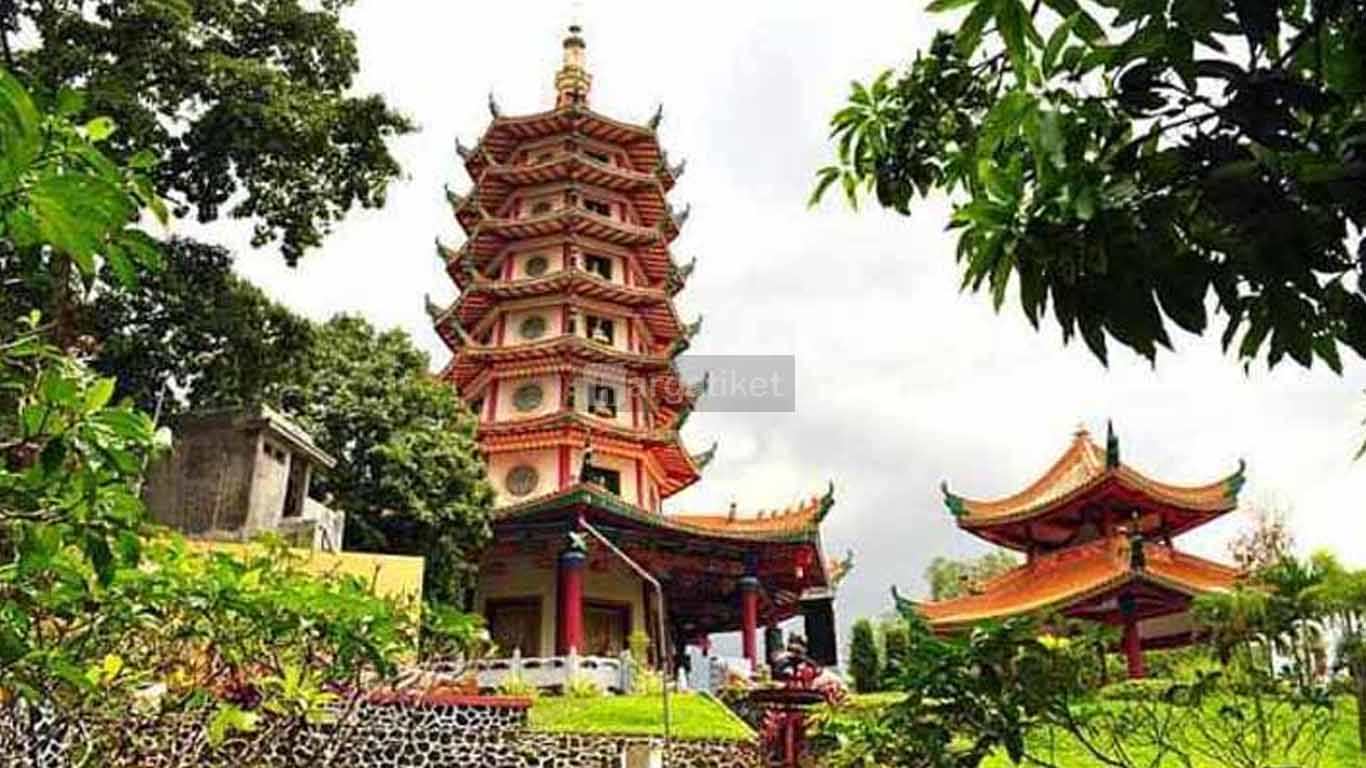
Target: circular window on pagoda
(522, 480)
(528, 397)
(532, 327)
(537, 266)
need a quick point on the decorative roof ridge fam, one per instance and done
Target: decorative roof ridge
(815, 507)
(1090, 466)
(660, 435)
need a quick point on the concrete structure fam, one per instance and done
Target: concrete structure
(235, 474)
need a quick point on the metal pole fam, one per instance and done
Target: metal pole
(659, 624)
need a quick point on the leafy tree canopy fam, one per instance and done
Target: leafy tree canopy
(408, 474)
(193, 334)
(949, 578)
(247, 105)
(1123, 160)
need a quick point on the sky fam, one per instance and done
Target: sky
(902, 381)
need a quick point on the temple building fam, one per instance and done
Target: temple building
(564, 339)
(1097, 535)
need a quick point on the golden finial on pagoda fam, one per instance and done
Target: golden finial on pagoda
(573, 81)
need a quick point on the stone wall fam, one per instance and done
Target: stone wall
(453, 732)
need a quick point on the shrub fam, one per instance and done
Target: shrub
(1145, 690)
(516, 685)
(896, 639)
(582, 687)
(864, 665)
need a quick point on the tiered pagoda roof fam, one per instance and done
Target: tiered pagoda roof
(534, 178)
(1089, 485)
(1097, 532)
(1082, 582)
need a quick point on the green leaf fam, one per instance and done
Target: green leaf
(70, 102)
(99, 129)
(826, 176)
(1010, 23)
(99, 394)
(19, 134)
(939, 6)
(1087, 27)
(1056, 42)
(76, 213)
(970, 33)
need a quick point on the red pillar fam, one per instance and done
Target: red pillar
(569, 616)
(749, 618)
(1133, 649)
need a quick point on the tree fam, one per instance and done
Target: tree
(1122, 171)
(1267, 543)
(409, 473)
(864, 665)
(248, 106)
(949, 578)
(1340, 600)
(896, 643)
(193, 335)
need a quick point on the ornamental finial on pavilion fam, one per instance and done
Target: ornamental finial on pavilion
(572, 82)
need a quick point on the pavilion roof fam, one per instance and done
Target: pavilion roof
(1080, 576)
(799, 522)
(1087, 475)
(699, 563)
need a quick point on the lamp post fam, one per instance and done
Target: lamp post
(659, 623)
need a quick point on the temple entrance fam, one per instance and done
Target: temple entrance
(606, 628)
(515, 624)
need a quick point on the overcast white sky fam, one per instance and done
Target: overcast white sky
(902, 381)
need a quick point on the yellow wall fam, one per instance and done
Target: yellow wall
(396, 576)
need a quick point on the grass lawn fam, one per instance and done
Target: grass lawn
(694, 717)
(1340, 752)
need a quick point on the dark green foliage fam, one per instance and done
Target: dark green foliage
(408, 474)
(999, 688)
(864, 665)
(193, 333)
(896, 643)
(1122, 173)
(248, 105)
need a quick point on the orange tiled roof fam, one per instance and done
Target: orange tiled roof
(1070, 576)
(1083, 467)
(805, 515)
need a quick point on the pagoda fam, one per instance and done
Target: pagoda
(564, 339)
(1097, 535)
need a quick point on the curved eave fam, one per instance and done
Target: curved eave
(1186, 502)
(1058, 582)
(646, 191)
(468, 360)
(655, 306)
(488, 236)
(584, 493)
(505, 134)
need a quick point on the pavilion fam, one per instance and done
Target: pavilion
(1097, 535)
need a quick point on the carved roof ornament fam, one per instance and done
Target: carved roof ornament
(657, 118)
(677, 170)
(826, 502)
(456, 200)
(493, 107)
(463, 151)
(680, 218)
(1111, 446)
(573, 82)
(445, 253)
(434, 310)
(704, 458)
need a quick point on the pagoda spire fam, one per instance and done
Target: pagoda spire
(572, 82)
